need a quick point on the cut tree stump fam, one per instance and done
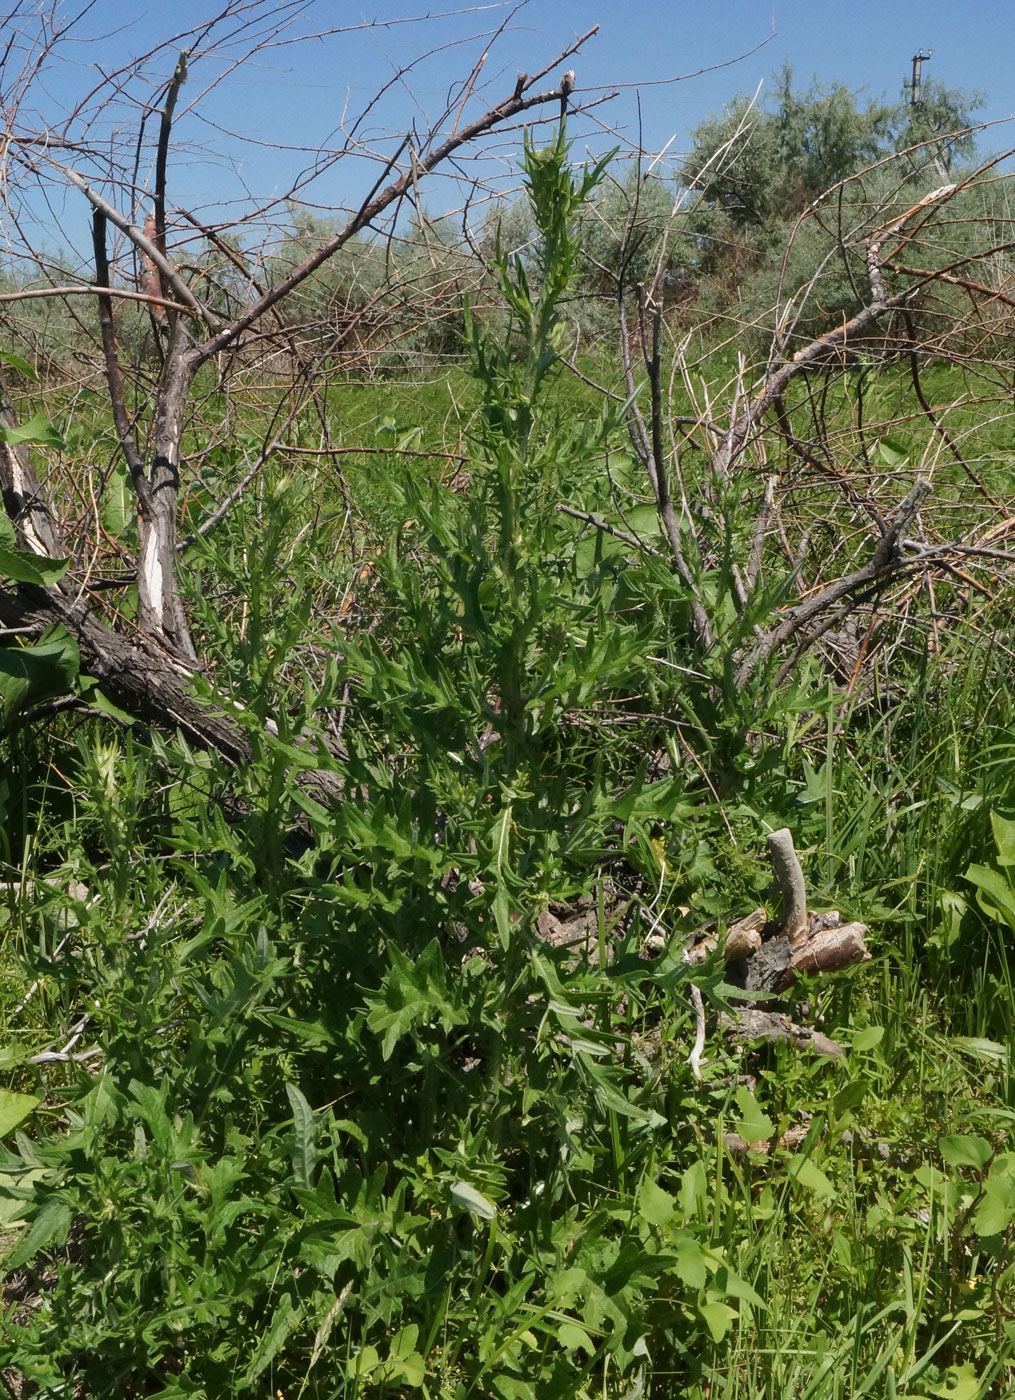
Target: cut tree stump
(774, 955)
(766, 956)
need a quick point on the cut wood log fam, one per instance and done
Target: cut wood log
(742, 939)
(771, 1026)
(789, 1141)
(828, 950)
(801, 943)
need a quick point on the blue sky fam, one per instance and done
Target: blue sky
(296, 95)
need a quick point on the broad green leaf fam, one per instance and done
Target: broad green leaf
(1004, 838)
(931, 1177)
(754, 1124)
(717, 1318)
(404, 1362)
(730, 1283)
(850, 1096)
(31, 675)
(14, 1109)
(37, 431)
(16, 1194)
(88, 689)
(994, 894)
(868, 1038)
(364, 1362)
(512, 1387)
(466, 1197)
(997, 1206)
(810, 1176)
(567, 1285)
(959, 1150)
(957, 1383)
(892, 452)
(17, 363)
(24, 565)
(304, 1155)
(571, 1337)
(693, 1189)
(654, 1204)
(117, 502)
(689, 1261)
(409, 1370)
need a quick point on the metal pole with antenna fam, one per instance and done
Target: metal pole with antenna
(915, 89)
(916, 101)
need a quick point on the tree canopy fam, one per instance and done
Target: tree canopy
(758, 162)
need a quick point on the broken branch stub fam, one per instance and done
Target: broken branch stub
(790, 878)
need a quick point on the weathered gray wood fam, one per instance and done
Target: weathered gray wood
(790, 878)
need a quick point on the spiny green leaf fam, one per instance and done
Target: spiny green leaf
(412, 994)
(284, 1322)
(466, 1197)
(304, 1155)
(981, 1049)
(50, 1226)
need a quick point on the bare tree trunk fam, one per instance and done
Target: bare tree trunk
(160, 608)
(141, 678)
(148, 672)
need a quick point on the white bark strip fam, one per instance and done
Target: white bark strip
(151, 581)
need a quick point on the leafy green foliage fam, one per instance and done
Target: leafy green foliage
(759, 164)
(32, 674)
(23, 565)
(348, 1124)
(766, 176)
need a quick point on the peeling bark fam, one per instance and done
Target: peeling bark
(160, 608)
